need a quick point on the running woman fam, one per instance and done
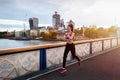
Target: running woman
(69, 47)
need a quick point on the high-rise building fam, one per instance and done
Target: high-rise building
(56, 20)
(71, 22)
(33, 23)
(62, 23)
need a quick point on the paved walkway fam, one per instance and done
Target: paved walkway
(103, 67)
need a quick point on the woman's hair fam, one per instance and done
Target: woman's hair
(71, 26)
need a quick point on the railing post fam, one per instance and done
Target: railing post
(117, 41)
(111, 43)
(90, 47)
(102, 45)
(42, 59)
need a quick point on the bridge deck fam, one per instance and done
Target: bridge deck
(103, 67)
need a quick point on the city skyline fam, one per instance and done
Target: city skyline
(83, 12)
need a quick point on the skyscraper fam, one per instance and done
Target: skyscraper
(56, 20)
(62, 23)
(33, 23)
(71, 22)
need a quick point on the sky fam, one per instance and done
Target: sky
(83, 12)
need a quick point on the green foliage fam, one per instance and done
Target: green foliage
(91, 33)
(45, 35)
(42, 34)
(48, 35)
(78, 31)
(100, 32)
(112, 30)
(53, 34)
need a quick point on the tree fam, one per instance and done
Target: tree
(112, 30)
(53, 34)
(78, 31)
(101, 32)
(45, 35)
(91, 33)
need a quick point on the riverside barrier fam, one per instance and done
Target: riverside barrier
(26, 62)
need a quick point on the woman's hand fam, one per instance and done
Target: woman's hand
(66, 34)
(71, 37)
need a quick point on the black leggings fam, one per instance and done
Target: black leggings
(69, 47)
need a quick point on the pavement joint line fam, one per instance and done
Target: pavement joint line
(83, 59)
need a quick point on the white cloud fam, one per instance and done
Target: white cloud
(17, 25)
(17, 22)
(98, 12)
(11, 25)
(82, 12)
(12, 22)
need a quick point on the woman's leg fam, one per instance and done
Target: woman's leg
(72, 49)
(65, 55)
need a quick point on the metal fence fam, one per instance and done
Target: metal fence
(25, 62)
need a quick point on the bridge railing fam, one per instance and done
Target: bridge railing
(25, 62)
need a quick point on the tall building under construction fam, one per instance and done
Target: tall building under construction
(56, 20)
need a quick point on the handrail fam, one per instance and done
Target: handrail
(15, 50)
(93, 40)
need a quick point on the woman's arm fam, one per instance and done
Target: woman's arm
(65, 35)
(71, 37)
